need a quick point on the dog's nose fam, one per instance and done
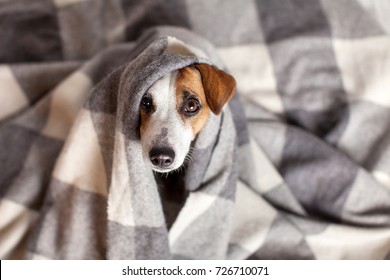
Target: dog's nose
(162, 157)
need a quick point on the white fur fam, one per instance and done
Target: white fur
(167, 116)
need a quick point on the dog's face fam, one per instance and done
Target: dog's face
(175, 109)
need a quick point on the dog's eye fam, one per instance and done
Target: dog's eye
(147, 103)
(191, 106)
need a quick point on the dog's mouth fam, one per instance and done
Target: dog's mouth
(165, 169)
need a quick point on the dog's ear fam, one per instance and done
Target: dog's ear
(218, 86)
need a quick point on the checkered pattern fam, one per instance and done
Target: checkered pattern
(306, 176)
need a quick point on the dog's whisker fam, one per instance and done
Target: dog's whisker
(191, 156)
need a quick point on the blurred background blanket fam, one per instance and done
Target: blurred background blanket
(313, 78)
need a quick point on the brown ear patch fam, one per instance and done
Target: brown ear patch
(219, 86)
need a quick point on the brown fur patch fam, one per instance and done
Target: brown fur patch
(144, 121)
(146, 112)
(189, 80)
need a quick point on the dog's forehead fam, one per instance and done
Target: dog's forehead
(163, 86)
(189, 73)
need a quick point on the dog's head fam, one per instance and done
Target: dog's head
(175, 109)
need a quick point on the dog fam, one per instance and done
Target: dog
(174, 110)
(172, 113)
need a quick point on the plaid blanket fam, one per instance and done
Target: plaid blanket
(296, 167)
